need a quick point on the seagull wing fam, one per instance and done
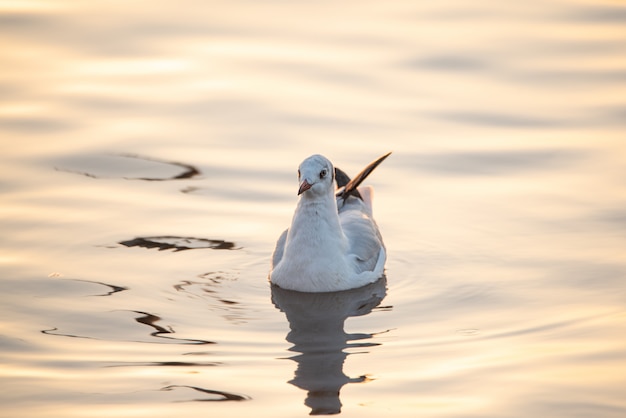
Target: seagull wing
(365, 244)
(280, 248)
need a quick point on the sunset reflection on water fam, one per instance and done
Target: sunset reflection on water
(148, 165)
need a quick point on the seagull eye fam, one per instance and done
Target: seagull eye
(323, 173)
(298, 173)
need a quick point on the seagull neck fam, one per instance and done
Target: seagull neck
(316, 219)
(318, 206)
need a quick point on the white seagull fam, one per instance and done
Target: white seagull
(333, 243)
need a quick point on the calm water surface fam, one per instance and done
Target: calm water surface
(148, 164)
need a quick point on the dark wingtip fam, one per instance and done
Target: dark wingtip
(350, 187)
(341, 177)
(342, 180)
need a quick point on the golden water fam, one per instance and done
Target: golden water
(176, 125)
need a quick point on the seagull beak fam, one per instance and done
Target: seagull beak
(304, 186)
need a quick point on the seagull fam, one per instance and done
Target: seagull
(333, 242)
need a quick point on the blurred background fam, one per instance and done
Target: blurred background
(183, 123)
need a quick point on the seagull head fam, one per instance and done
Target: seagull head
(316, 175)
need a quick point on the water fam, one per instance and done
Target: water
(148, 165)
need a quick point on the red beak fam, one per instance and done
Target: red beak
(304, 186)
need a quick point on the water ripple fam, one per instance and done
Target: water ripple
(151, 320)
(166, 364)
(145, 318)
(179, 243)
(221, 395)
(114, 288)
(112, 166)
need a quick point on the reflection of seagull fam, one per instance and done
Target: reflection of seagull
(316, 323)
(333, 242)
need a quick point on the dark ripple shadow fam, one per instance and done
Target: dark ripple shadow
(176, 243)
(316, 322)
(145, 318)
(166, 364)
(107, 167)
(219, 396)
(161, 332)
(189, 170)
(114, 288)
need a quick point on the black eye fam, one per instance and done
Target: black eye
(298, 173)
(323, 173)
